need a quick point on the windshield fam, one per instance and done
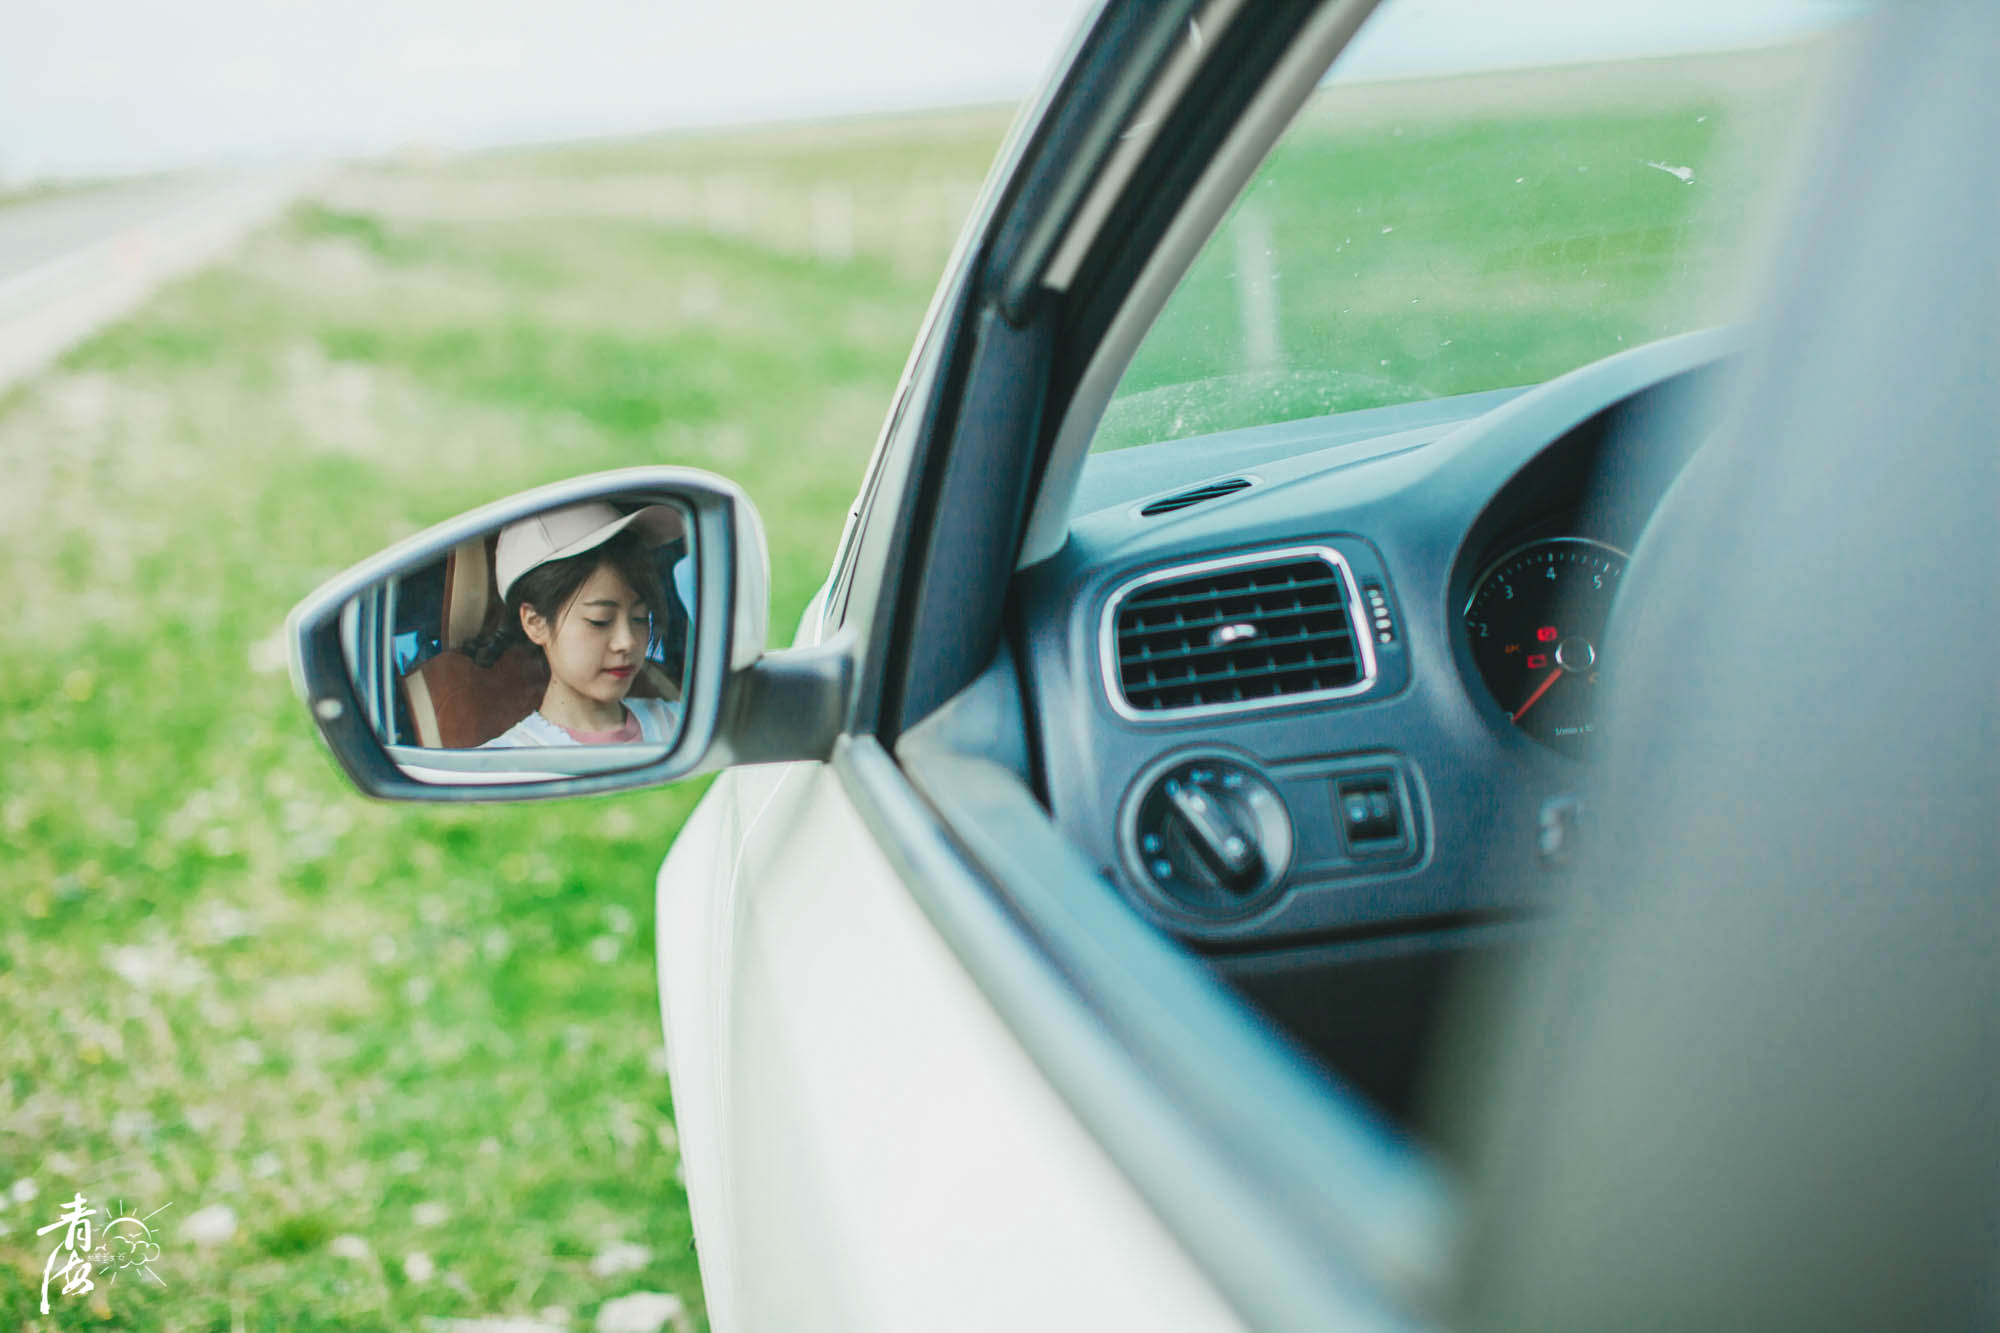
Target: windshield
(1432, 225)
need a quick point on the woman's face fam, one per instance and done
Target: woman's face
(597, 643)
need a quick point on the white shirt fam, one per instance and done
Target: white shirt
(659, 721)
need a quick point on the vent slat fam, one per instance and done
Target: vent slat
(1190, 652)
(1300, 637)
(1150, 601)
(1246, 679)
(1199, 630)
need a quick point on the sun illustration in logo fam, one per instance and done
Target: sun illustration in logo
(126, 1243)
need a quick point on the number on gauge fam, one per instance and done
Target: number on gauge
(1535, 623)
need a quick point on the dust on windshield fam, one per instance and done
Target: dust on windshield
(1417, 237)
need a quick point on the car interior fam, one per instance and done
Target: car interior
(1318, 695)
(1254, 685)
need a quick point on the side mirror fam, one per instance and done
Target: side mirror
(588, 636)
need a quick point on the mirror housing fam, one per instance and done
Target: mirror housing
(737, 704)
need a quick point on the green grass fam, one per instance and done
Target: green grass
(228, 979)
(1437, 238)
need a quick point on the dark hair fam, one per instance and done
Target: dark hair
(549, 586)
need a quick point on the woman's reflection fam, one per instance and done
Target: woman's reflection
(580, 584)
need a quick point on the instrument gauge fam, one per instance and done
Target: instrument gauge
(1535, 624)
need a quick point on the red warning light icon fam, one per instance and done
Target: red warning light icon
(1536, 661)
(1546, 634)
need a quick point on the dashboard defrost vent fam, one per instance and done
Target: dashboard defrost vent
(1210, 490)
(1237, 632)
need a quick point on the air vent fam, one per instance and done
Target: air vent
(1236, 633)
(1211, 490)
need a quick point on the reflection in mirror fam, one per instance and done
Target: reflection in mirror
(555, 645)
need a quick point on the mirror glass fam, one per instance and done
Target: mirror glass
(555, 645)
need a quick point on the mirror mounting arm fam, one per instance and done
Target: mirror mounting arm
(787, 706)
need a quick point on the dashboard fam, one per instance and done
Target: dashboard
(1336, 680)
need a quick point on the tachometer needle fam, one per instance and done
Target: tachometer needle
(1540, 690)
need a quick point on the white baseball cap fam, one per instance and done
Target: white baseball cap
(572, 530)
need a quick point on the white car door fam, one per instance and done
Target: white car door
(867, 1146)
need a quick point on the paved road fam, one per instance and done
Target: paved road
(36, 230)
(71, 263)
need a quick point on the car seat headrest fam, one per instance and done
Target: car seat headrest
(468, 592)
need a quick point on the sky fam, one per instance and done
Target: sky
(125, 85)
(108, 87)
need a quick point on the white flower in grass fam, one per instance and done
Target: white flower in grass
(418, 1267)
(155, 967)
(220, 923)
(213, 1225)
(350, 1247)
(621, 1258)
(640, 1312)
(23, 1190)
(271, 653)
(430, 1213)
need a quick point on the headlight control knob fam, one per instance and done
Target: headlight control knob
(1210, 833)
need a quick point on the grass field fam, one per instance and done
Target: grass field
(1416, 239)
(414, 1054)
(376, 1033)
